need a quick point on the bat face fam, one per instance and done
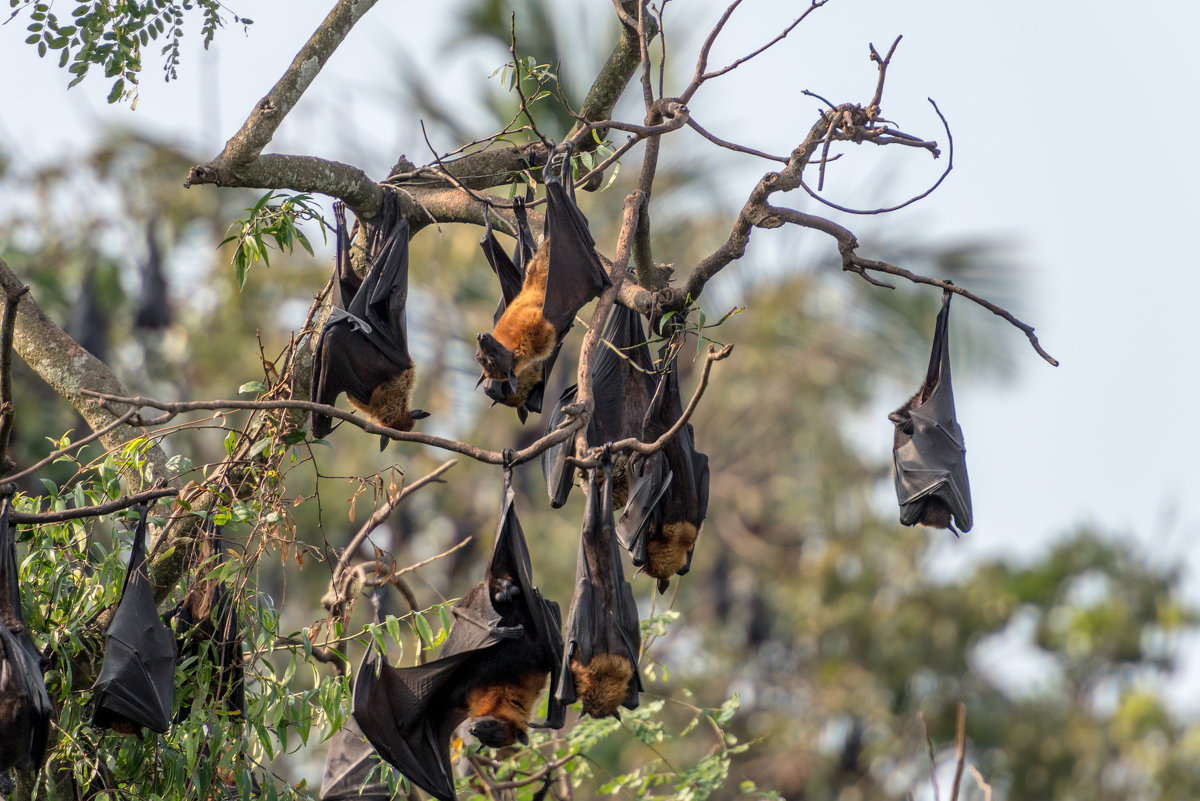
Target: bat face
(136, 685)
(504, 645)
(25, 709)
(928, 453)
(603, 636)
(560, 277)
(363, 347)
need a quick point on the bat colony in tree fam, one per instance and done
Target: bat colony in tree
(507, 641)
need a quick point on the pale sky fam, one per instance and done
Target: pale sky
(1072, 125)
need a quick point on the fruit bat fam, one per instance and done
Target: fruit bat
(349, 767)
(668, 490)
(25, 710)
(931, 467)
(600, 666)
(136, 685)
(154, 306)
(363, 347)
(208, 614)
(623, 383)
(563, 275)
(505, 642)
(526, 397)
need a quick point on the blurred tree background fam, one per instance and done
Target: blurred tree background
(806, 598)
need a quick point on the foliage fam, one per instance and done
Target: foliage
(111, 36)
(273, 218)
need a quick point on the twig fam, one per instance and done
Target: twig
(93, 511)
(960, 749)
(731, 146)
(883, 65)
(987, 788)
(7, 409)
(50, 457)
(932, 758)
(517, 84)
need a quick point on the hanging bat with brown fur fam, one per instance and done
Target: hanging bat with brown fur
(528, 395)
(928, 452)
(363, 347)
(206, 622)
(563, 275)
(600, 666)
(668, 490)
(25, 709)
(505, 644)
(136, 685)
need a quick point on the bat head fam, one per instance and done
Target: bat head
(497, 732)
(495, 359)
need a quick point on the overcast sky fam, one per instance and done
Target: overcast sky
(1073, 125)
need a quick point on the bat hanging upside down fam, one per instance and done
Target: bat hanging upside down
(563, 275)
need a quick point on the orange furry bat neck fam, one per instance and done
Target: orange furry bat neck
(668, 548)
(522, 328)
(602, 684)
(388, 404)
(502, 710)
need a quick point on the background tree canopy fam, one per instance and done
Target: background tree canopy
(808, 641)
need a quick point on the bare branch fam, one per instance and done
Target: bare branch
(50, 457)
(960, 749)
(932, 759)
(94, 511)
(731, 146)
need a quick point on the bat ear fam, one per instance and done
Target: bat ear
(383, 442)
(522, 738)
(418, 414)
(662, 585)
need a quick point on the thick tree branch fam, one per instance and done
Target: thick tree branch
(12, 296)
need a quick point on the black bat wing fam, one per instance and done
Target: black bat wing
(574, 274)
(404, 714)
(930, 459)
(541, 618)
(558, 472)
(603, 618)
(350, 764)
(137, 679)
(649, 479)
(25, 709)
(364, 343)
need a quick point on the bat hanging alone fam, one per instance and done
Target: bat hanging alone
(528, 395)
(363, 347)
(563, 275)
(207, 614)
(623, 384)
(505, 643)
(928, 452)
(136, 685)
(600, 666)
(25, 709)
(668, 490)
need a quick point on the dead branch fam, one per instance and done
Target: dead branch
(94, 511)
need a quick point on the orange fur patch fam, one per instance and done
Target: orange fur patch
(388, 405)
(522, 328)
(510, 702)
(668, 551)
(603, 684)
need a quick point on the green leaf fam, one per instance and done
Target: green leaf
(230, 442)
(252, 387)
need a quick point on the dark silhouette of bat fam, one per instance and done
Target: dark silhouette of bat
(928, 452)
(363, 347)
(349, 767)
(530, 390)
(600, 667)
(623, 383)
(563, 275)
(505, 642)
(25, 710)
(207, 614)
(668, 490)
(136, 685)
(154, 302)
